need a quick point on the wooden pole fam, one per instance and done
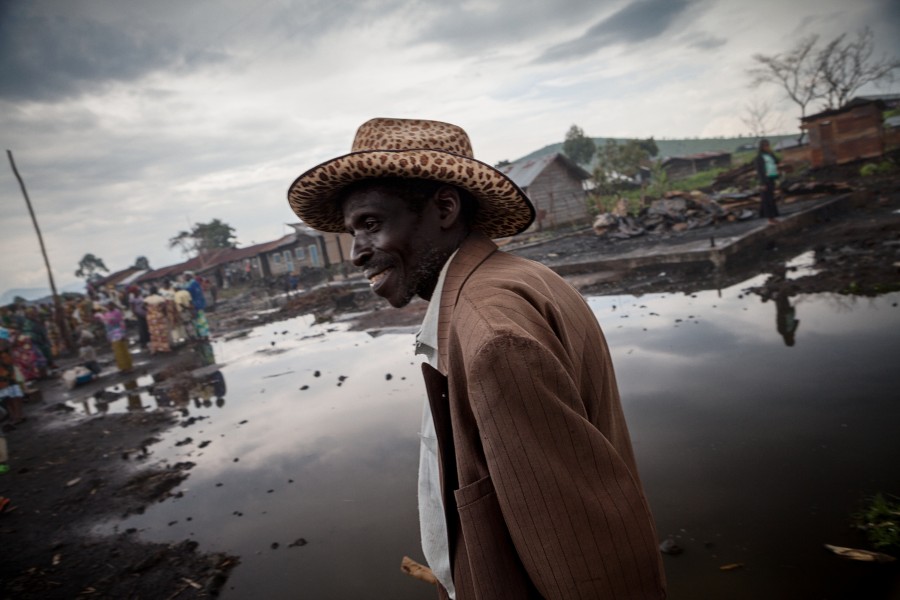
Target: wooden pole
(57, 302)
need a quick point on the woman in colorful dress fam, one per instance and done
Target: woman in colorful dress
(11, 392)
(114, 321)
(33, 326)
(158, 321)
(29, 360)
(198, 299)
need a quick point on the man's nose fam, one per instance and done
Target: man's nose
(361, 251)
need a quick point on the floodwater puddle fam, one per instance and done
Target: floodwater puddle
(754, 446)
(130, 396)
(801, 265)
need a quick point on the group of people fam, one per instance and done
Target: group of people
(30, 344)
(20, 361)
(166, 315)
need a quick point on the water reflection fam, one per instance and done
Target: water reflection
(751, 452)
(786, 322)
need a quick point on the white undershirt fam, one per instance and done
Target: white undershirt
(432, 525)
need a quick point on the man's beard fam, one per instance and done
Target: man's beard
(421, 281)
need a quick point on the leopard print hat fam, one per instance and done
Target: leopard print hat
(415, 149)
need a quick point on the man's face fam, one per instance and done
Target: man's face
(397, 248)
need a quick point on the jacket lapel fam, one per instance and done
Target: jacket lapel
(472, 252)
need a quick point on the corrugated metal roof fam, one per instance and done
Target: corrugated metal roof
(115, 278)
(222, 256)
(524, 172)
(132, 278)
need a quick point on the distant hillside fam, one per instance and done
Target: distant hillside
(678, 147)
(8, 296)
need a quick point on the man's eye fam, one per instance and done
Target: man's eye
(370, 224)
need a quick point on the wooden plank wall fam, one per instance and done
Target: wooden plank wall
(846, 137)
(560, 196)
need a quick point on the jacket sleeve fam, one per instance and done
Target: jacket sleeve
(575, 512)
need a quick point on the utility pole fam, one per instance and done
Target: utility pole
(57, 302)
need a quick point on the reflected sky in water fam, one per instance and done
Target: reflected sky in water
(751, 451)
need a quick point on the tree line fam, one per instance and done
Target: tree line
(200, 238)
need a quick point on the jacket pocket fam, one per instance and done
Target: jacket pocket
(493, 561)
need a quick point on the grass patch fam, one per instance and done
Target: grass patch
(701, 180)
(880, 520)
(884, 167)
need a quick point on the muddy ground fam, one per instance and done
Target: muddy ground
(69, 471)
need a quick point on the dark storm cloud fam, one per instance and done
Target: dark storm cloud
(706, 41)
(46, 57)
(467, 31)
(637, 22)
(888, 13)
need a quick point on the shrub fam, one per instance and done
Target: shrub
(884, 167)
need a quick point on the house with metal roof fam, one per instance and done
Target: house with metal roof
(302, 248)
(556, 187)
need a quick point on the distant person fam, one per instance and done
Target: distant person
(29, 360)
(139, 310)
(11, 386)
(185, 307)
(528, 484)
(33, 326)
(198, 299)
(159, 322)
(114, 321)
(767, 171)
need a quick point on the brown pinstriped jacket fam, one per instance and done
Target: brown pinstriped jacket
(541, 490)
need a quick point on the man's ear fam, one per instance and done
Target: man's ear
(449, 206)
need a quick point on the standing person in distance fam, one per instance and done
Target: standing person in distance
(767, 172)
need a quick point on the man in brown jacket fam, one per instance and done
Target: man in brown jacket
(528, 482)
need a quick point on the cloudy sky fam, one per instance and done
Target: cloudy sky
(131, 121)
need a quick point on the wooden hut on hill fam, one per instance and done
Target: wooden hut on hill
(555, 185)
(853, 132)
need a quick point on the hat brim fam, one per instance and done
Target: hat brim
(503, 208)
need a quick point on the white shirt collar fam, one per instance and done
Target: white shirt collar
(427, 338)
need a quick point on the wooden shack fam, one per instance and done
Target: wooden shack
(852, 132)
(791, 152)
(555, 185)
(679, 167)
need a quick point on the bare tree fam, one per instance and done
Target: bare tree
(759, 118)
(796, 71)
(847, 65)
